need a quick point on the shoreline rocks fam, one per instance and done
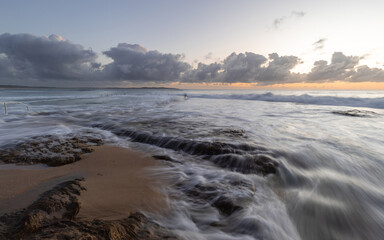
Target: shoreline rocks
(53, 216)
(356, 113)
(51, 150)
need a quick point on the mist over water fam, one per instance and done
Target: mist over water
(330, 167)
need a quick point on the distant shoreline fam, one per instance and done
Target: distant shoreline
(83, 88)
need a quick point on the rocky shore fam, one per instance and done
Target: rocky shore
(53, 216)
(67, 210)
(94, 191)
(50, 150)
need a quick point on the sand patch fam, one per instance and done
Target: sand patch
(115, 179)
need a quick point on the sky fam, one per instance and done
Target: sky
(193, 44)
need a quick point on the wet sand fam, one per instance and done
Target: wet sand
(115, 178)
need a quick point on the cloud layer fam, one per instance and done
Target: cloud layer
(135, 63)
(29, 60)
(247, 68)
(24, 56)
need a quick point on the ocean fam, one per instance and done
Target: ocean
(243, 164)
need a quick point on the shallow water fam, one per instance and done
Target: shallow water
(330, 167)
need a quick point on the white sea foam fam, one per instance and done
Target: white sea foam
(302, 99)
(330, 171)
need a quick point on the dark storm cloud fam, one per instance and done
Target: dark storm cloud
(319, 44)
(135, 63)
(25, 56)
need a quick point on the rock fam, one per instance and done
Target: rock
(53, 216)
(356, 113)
(72, 209)
(204, 193)
(51, 150)
(248, 164)
(165, 158)
(234, 133)
(29, 223)
(225, 205)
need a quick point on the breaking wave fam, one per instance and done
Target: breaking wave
(302, 99)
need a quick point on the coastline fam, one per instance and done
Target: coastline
(115, 187)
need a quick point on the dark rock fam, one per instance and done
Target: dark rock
(205, 193)
(239, 157)
(58, 203)
(51, 150)
(248, 164)
(356, 113)
(234, 133)
(165, 158)
(72, 209)
(53, 216)
(225, 205)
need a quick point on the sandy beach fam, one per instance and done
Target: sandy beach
(116, 184)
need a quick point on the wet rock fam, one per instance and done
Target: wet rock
(180, 144)
(216, 193)
(51, 150)
(58, 203)
(356, 113)
(242, 184)
(205, 193)
(239, 157)
(165, 158)
(136, 226)
(248, 164)
(234, 133)
(225, 205)
(53, 216)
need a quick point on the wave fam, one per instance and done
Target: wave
(302, 99)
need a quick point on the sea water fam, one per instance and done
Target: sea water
(330, 164)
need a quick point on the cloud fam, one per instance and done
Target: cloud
(25, 56)
(341, 68)
(209, 56)
(206, 73)
(242, 67)
(319, 44)
(132, 62)
(298, 14)
(247, 68)
(279, 21)
(279, 70)
(6, 67)
(254, 68)
(29, 60)
(366, 74)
